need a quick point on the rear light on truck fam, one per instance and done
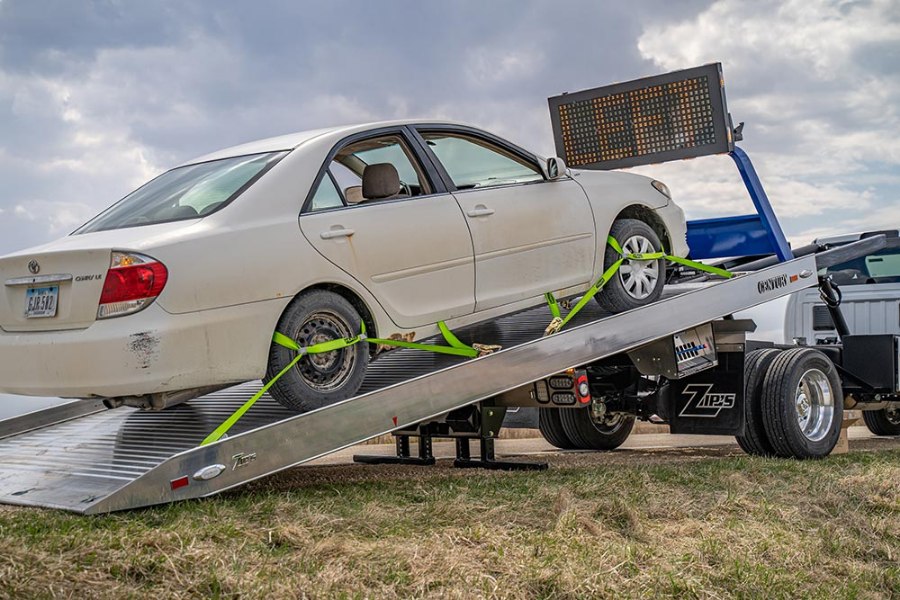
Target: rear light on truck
(132, 283)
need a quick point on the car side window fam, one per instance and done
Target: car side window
(327, 195)
(475, 163)
(370, 170)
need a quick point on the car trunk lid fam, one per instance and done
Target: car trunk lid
(52, 290)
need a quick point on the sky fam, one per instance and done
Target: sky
(97, 97)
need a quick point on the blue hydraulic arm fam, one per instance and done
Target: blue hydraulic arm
(746, 235)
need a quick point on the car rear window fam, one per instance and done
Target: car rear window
(188, 192)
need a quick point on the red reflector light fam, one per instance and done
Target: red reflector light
(136, 282)
(583, 389)
(179, 483)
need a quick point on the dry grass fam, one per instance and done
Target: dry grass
(707, 527)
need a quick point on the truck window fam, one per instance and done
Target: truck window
(881, 267)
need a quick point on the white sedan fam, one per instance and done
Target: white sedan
(178, 288)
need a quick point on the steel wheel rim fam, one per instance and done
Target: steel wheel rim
(327, 371)
(638, 277)
(609, 424)
(814, 404)
(892, 415)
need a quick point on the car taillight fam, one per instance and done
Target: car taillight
(132, 283)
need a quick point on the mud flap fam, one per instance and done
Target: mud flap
(710, 402)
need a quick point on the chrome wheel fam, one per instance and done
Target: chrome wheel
(639, 278)
(328, 370)
(814, 402)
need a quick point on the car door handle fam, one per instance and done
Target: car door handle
(480, 211)
(336, 233)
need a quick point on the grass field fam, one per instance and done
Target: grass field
(635, 524)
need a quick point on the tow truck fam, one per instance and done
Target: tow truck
(683, 360)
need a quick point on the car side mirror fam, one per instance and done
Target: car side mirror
(554, 168)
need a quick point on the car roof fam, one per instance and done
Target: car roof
(292, 140)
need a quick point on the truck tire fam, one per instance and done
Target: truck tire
(638, 282)
(589, 434)
(883, 422)
(550, 426)
(320, 379)
(802, 404)
(755, 441)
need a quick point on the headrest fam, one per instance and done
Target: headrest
(353, 194)
(380, 180)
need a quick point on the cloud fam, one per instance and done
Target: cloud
(818, 84)
(97, 97)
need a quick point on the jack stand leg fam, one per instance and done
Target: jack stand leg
(403, 457)
(487, 460)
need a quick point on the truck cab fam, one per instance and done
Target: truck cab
(870, 290)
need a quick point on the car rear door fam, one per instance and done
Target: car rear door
(412, 252)
(530, 236)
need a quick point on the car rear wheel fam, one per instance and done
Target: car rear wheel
(318, 380)
(637, 282)
(883, 422)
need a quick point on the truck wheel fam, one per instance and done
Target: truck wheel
(755, 441)
(802, 404)
(589, 433)
(551, 428)
(638, 282)
(883, 422)
(318, 380)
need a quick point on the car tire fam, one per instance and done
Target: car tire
(637, 283)
(802, 404)
(551, 427)
(588, 434)
(755, 441)
(320, 379)
(883, 422)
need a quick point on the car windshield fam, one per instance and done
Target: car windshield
(881, 267)
(185, 193)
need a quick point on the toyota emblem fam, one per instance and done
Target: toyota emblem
(35, 267)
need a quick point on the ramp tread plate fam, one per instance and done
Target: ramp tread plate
(60, 465)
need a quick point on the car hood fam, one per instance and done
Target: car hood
(620, 184)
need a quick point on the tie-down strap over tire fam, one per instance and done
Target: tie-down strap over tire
(455, 348)
(559, 321)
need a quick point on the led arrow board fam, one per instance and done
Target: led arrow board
(655, 119)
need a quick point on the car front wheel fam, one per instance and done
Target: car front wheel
(317, 380)
(637, 282)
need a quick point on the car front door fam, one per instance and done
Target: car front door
(531, 236)
(412, 250)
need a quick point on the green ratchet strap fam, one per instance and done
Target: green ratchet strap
(559, 321)
(456, 348)
(222, 429)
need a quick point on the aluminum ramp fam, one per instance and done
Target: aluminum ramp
(108, 460)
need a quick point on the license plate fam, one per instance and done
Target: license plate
(41, 302)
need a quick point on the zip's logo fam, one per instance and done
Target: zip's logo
(703, 402)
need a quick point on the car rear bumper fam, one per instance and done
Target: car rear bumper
(150, 352)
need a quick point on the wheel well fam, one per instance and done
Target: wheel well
(351, 297)
(648, 216)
